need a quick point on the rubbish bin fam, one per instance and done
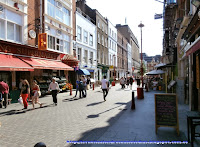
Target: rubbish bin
(140, 93)
(14, 94)
(113, 83)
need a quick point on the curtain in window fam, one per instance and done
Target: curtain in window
(10, 31)
(2, 29)
(18, 34)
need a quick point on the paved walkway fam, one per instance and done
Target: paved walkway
(89, 119)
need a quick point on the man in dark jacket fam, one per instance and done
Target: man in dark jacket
(4, 90)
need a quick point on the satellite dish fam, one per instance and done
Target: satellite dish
(32, 34)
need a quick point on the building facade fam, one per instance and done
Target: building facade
(86, 48)
(132, 40)
(112, 50)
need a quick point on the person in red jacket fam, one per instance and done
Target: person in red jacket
(4, 90)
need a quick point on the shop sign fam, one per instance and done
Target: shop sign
(27, 51)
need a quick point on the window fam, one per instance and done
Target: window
(85, 36)
(102, 40)
(66, 43)
(79, 33)
(59, 45)
(51, 42)
(91, 57)
(110, 31)
(62, 14)
(106, 30)
(110, 44)
(2, 29)
(66, 16)
(98, 23)
(106, 42)
(86, 56)
(91, 40)
(10, 31)
(14, 32)
(102, 27)
(98, 38)
(79, 54)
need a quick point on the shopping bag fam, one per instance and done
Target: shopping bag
(20, 100)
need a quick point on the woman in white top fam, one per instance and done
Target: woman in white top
(54, 88)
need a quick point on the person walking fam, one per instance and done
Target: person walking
(36, 94)
(104, 86)
(88, 83)
(77, 87)
(127, 81)
(122, 82)
(4, 90)
(85, 85)
(54, 88)
(25, 93)
(131, 82)
(81, 88)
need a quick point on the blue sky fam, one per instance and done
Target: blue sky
(135, 11)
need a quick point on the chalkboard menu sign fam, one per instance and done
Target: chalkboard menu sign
(166, 111)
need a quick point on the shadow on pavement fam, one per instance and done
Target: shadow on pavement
(20, 111)
(96, 133)
(72, 99)
(97, 115)
(93, 104)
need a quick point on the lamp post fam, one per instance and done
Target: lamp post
(141, 69)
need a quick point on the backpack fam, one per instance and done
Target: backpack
(80, 85)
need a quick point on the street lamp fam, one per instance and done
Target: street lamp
(141, 69)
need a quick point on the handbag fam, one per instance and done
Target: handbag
(39, 93)
(20, 100)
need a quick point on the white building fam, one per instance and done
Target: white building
(13, 19)
(86, 43)
(58, 25)
(112, 50)
(129, 58)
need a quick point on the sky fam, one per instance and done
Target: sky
(135, 11)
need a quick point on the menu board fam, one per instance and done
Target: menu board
(166, 111)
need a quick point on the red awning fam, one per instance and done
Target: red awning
(12, 63)
(46, 64)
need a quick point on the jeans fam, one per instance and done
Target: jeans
(105, 93)
(54, 95)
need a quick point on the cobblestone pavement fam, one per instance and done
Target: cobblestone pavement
(72, 119)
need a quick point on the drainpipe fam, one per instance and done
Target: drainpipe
(41, 16)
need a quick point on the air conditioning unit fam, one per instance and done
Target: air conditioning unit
(1, 8)
(59, 32)
(59, 4)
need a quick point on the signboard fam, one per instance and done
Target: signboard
(166, 111)
(158, 16)
(42, 41)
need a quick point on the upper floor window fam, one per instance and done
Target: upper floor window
(91, 57)
(106, 43)
(102, 27)
(98, 23)
(102, 41)
(91, 40)
(85, 36)
(98, 38)
(14, 32)
(79, 54)
(79, 33)
(59, 12)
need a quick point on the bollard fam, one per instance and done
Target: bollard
(71, 90)
(93, 86)
(133, 101)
